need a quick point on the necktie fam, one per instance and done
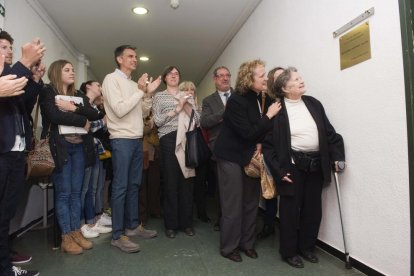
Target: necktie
(226, 97)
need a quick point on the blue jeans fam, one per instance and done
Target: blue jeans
(68, 185)
(88, 193)
(97, 190)
(127, 159)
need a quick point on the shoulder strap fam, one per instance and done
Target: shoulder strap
(191, 120)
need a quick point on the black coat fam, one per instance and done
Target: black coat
(242, 128)
(277, 145)
(57, 117)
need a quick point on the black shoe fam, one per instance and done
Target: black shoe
(189, 231)
(294, 261)
(309, 256)
(251, 253)
(234, 256)
(18, 271)
(204, 218)
(170, 233)
(266, 232)
(216, 226)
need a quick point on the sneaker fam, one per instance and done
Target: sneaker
(17, 271)
(124, 244)
(101, 229)
(17, 258)
(88, 232)
(105, 220)
(140, 231)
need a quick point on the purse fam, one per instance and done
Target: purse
(39, 161)
(197, 151)
(267, 182)
(253, 169)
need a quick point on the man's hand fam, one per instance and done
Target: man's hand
(38, 72)
(32, 53)
(10, 86)
(148, 85)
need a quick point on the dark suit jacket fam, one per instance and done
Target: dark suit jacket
(277, 145)
(7, 106)
(242, 128)
(212, 116)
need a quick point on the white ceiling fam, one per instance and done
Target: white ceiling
(191, 37)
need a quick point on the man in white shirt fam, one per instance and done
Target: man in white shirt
(126, 104)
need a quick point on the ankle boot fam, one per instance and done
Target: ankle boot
(69, 246)
(80, 240)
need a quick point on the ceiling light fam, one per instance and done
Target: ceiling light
(140, 10)
(143, 58)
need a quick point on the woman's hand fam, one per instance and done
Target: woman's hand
(274, 108)
(65, 105)
(87, 125)
(286, 178)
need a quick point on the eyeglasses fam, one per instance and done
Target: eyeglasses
(223, 76)
(173, 74)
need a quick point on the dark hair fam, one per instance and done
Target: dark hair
(218, 68)
(281, 81)
(83, 85)
(5, 35)
(271, 80)
(167, 70)
(120, 50)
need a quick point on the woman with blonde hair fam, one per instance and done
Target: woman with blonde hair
(72, 153)
(246, 120)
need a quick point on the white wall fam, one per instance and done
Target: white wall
(365, 103)
(25, 20)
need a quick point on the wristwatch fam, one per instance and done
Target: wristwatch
(341, 165)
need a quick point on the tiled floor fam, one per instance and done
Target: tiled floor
(184, 255)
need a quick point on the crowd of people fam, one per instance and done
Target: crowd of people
(125, 149)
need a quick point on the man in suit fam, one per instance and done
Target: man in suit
(16, 137)
(212, 116)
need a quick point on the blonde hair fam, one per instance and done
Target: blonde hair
(55, 76)
(189, 85)
(245, 75)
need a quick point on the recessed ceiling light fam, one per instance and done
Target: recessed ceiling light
(140, 10)
(143, 58)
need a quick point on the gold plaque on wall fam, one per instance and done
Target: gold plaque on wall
(355, 46)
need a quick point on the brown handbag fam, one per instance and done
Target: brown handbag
(253, 168)
(39, 161)
(267, 182)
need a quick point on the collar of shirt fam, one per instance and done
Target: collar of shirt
(122, 74)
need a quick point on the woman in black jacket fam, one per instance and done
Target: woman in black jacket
(71, 152)
(299, 152)
(246, 120)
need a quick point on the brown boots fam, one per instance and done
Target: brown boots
(74, 243)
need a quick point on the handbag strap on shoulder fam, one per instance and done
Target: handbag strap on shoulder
(191, 120)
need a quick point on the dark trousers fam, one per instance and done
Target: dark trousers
(300, 214)
(200, 190)
(178, 191)
(12, 179)
(149, 192)
(213, 188)
(239, 198)
(270, 212)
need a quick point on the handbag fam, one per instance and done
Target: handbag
(267, 182)
(253, 169)
(197, 151)
(39, 161)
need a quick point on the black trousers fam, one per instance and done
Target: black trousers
(177, 190)
(300, 214)
(239, 198)
(200, 190)
(270, 212)
(12, 179)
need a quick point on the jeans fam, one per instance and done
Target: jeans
(127, 161)
(97, 190)
(12, 166)
(88, 193)
(68, 185)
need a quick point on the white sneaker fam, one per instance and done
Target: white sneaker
(105, 220)
(88, 232)
(101, 229)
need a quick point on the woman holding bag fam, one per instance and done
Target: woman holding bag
(246, 120)
(72, 153)
(172, 110)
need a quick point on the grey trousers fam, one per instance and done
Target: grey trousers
(239, 198)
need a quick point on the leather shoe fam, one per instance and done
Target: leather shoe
(295, 261)
(204, 218)
(250, 253)
(216, 226)
(234, 256)
(170, 233)
(309, 256)
(189, 231)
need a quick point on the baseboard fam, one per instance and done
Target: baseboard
(29, 226)
(355, 263)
